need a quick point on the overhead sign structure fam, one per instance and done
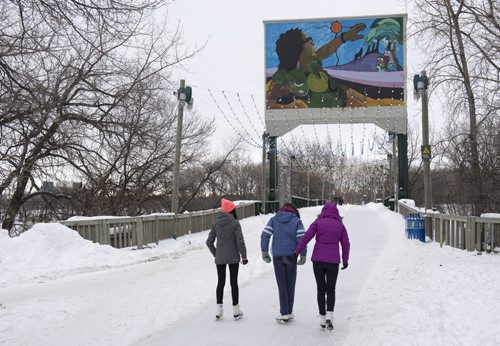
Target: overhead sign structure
(338, 70)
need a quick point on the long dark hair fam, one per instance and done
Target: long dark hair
(289, 47)
(233, 212)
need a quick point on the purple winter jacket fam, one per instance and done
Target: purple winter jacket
(329, 231)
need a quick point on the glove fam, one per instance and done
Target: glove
(344, 266)
(295, 254)
(302, 260)
(244, 261)
(265, 257)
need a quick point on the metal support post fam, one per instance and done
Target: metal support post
(183, 96)
(265, 135)
(273, 171)
(394, 164)
(421, 83)
(425, 143)
(403, 164)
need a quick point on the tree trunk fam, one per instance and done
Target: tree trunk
(16, 201)
(476, 181)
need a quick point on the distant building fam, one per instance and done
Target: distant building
(48, 186)
(69, 185)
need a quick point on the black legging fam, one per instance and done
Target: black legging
(233, 279)
(326, 280)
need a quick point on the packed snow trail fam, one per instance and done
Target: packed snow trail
(259, 297)
(58, 289)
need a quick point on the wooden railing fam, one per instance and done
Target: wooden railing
(462, 232)
(142, 230)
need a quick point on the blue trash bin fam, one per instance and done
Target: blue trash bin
(415, 227)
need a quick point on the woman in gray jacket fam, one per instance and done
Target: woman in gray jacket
(230, 245)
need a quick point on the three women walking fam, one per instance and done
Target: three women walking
(289, 241)
(226, 229)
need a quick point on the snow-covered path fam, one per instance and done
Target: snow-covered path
(259, 298)
(57, 289)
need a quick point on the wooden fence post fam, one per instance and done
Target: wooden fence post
(190, 223)
(488, 237)
(462, 235)
(157, 230)
(467, 234)
(139, 236)
(453, 228)
(101, 228)
(441, 231)
(477, 233)
(447, 234)
(428, 227)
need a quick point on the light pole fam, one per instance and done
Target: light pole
(392, 135)
(421, 83)
(390, 176)
(273, 172)
(183, 96)
(265, 136)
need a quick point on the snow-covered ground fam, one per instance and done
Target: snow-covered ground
(58, 289)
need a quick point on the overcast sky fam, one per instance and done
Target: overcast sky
(233, 60)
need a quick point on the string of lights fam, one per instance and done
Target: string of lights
(314, 124)
(237, 119)
(230, 123)
(247, 127)
(247, 116)
(257, 111)
(329, 137)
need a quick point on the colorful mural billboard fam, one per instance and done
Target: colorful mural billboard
(338, 63)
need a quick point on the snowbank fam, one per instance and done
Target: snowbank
(491, 215)
(51, 251)
(376, 206)
(409, 202)
(3, 234)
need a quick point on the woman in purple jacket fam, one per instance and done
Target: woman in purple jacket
(329, 231)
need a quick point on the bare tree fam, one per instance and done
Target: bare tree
(200, 179)
(351, 177)
(241, 178)
(461, 43)
(135, 163)
(68, 70)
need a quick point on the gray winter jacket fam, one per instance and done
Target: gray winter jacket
(230, 242)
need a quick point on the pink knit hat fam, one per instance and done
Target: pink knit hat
(227, 205)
